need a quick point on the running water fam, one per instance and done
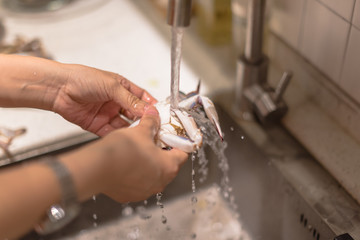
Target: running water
(211, 139)
(176, 46)
(94, 216)
(161, 205)
(193, 186)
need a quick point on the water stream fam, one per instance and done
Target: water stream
(176, 46)
(212, 140)
(94, 216)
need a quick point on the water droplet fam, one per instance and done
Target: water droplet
(94, 197)
(242, 137)
(158, 196)
(232, 128)
(145, 202)
(163, 219)
(194, 199)
(95, 224)
(127, 211)
(95, 216)
(143, 213)
(134, 234)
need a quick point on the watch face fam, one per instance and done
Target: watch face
(56, 213)
(59, 215)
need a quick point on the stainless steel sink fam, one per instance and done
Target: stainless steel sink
(269, 204)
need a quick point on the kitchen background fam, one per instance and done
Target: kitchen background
(319, 40)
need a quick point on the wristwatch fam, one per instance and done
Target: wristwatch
(59, 215)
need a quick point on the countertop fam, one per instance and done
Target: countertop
(108, 34)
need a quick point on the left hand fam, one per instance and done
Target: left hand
(93, 99)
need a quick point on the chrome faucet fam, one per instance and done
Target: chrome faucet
(179, 13)
(252, 93)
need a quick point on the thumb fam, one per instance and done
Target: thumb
(150, 120)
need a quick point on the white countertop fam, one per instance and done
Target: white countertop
(108, 34)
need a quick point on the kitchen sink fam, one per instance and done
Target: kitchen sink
(266, 203)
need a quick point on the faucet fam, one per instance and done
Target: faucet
(252, 93)
(179, 13)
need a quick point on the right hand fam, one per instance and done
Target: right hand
(144, 169)
(127, 163)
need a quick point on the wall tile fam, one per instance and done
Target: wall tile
(286, 19)
(324, 38)
(350, 79)
(342, 7)
(356, 17)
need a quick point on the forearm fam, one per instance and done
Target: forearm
(29, 190)
(29, 81)
(26, 193)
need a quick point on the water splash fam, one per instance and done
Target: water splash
(203, 165)
(211, 139)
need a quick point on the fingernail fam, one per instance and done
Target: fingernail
(151, 110)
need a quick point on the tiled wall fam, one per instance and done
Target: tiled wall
(326, 33)
(324, 94)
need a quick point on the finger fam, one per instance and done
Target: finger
(150, 121)
(115, 123)
(148, 98)
(103, 116)
(129, 115)
(104, 130)
(179, 156)
(136, 90)
(118, 122)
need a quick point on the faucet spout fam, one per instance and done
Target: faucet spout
(179, 13)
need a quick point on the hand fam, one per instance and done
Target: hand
(147, 169)
(93, 99)
(88, 97)
(126, 164)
